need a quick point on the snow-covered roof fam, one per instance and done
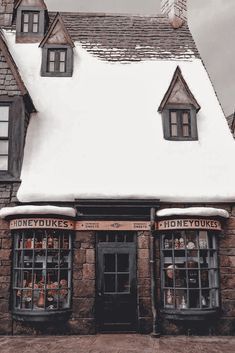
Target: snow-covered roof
(99, 134)
(193, 211)
(37, 210)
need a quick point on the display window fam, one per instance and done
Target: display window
(42, 272)
(189, 270)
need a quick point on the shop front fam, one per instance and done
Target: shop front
(73, 273)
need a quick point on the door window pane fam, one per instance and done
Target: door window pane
(109, 283)
(123, 285)
(123, 262)
(109, 263)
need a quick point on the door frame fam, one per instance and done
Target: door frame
(132, 246)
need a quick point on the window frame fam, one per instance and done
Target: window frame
(176, 310)
(16, 135)
(179, 109)
(30, 22)
(57, 48)
(6, 138)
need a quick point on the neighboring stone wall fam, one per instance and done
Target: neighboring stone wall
(144, 283)
(83, 319)
(7, 197)
(8, 85)
(6, 11)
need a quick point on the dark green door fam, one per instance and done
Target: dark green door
(116, 284)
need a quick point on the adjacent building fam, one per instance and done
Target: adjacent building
(116, 176)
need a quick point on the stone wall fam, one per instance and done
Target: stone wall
(7, 197)
(144, 312)
(6, 11)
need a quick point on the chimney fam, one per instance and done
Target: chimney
(176, 11)
(6, 12)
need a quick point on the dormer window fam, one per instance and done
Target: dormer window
(30, 22)
(179, 108)
(57, 51)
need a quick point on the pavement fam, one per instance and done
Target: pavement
(116, 343)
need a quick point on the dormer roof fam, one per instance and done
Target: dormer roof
(57, 33)
(31, 3)
(178, 93)
(15, 73)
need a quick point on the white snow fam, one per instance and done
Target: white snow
(193, 211)
(99, 133)
(30, 209)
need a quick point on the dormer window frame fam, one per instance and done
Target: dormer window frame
(30, 36)
(68, 63)
(170, 126)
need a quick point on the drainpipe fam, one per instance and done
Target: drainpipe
(156, 331)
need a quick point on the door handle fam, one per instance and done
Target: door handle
(99, 294)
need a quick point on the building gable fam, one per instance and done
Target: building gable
(31, 3)
(178, 92)
(57, 33)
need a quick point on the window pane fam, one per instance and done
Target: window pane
(174, 130)
(35, 28)
(4, 113)
(26, 28)
(185, 118)
(109, 283)
(185, 130)
(3, 147)
(62, 67)
(51, 55)
(3, 129)
(109, 262)
(35, 18)
(51, 67)
(123, 283)
(123, 262)
(173, 118)
(62, 56)
(3, 162)
(26, 18)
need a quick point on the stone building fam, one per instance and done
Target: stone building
(116, 182)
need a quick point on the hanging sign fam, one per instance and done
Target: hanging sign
(112, 225)
(189, 224)
(32, 223)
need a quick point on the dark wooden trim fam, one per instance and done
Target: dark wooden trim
(30, 37)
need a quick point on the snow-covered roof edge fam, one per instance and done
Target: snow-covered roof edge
(30, 209)
(193, 211)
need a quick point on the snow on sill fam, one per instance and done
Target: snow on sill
(42, 210)
(193, 211)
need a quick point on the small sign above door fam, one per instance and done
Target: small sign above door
(112, 225)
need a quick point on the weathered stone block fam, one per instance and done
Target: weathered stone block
(143, 268)
(145, 308)
(227, 281)
(79, 257)
(90, 256)
(84, 288)
(5, 254)
(84, 307)
(89, 271)
(143, 242)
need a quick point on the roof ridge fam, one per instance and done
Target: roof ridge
(102, 14)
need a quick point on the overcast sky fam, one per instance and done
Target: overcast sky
(212, 23)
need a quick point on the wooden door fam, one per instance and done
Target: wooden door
(116, 284)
